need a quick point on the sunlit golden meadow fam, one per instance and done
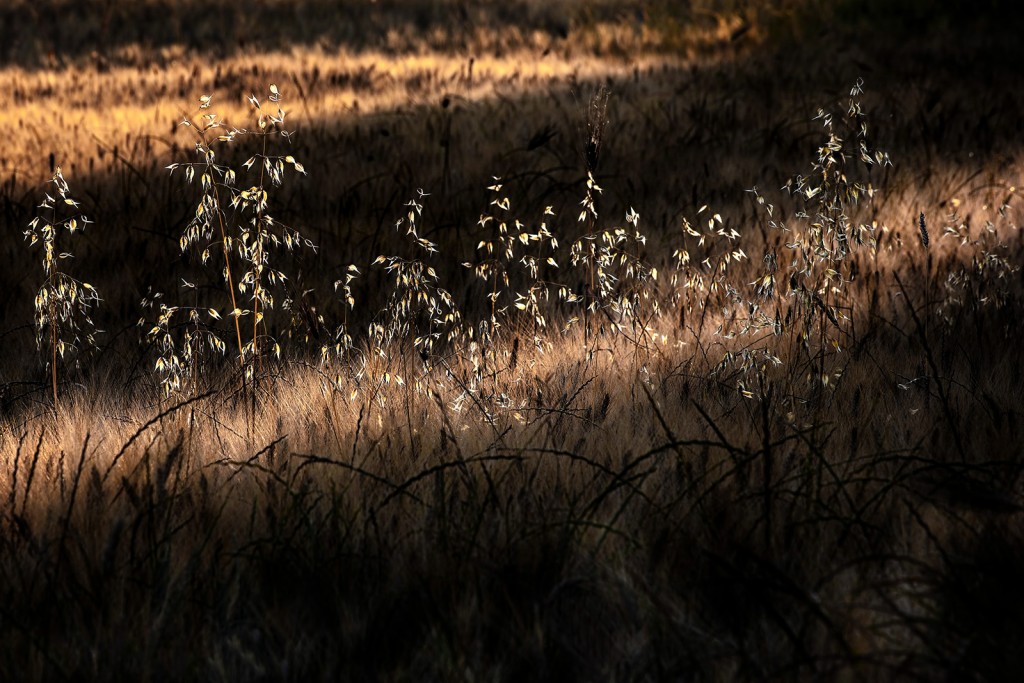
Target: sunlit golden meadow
(598, 341)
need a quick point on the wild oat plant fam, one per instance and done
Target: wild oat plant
(517, 267)
(419, 314)
(182, 335)
(233, 225)
(63, 303)
(809, 262)
(619, 279)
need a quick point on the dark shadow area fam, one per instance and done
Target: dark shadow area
(421, 566)
(49, 33)
(39, 34)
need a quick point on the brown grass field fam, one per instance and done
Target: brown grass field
(564, 341)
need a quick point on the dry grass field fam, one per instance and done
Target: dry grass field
(598, 341)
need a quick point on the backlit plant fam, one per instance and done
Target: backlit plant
(234, 221)
(63, 304)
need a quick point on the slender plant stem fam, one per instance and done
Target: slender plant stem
(53, 349)
(227, 272)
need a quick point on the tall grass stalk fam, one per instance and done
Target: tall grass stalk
(63, 304)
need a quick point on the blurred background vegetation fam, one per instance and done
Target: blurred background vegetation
(31, 33)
